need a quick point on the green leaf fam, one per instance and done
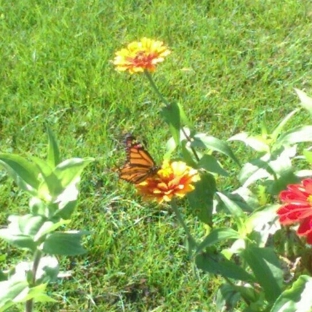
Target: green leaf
(227, 298)
(296, 135)
(235, 210)
(50, 188)
(218, 264)
(210, 164)
(44, 168)
(64, 243)
(278, 130)
(287, 177)
(24, 173)
(53, 150)
(229, 295)
(65, 174)
(19, 240)
(212, 143)
(172, 116)
(66, 208)
(22, 231)
(12, 291)
(266, 267)
(254, 170)
(257, 143)
(201, 199)
(261, 221)
(170, 147)
(26, 231)
(245, 199)
(306, 101)
(308, 156)
(187, 155)
(69, 170)
(38, 294)
(50, 185)
(216, 236)
(297, 298)
(47, 271)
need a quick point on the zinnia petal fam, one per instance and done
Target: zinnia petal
(305, 227)
(140, 56)
(297, 207)
(172, 180)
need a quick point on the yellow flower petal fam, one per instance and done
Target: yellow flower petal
(173, 179)
(140, 56)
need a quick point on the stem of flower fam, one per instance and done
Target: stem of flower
(191, 240)
(154, 87)
(37, 257)
(189, 140)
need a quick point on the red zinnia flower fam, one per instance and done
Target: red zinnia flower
(297, 207)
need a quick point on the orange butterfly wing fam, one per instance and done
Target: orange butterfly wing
(139, 164)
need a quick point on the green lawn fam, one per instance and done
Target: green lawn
(233, 63)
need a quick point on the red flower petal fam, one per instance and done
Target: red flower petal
(305, 227)
(307, 183)
(309, 238)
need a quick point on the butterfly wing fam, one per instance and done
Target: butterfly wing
(139, 164)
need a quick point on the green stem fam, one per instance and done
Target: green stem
(154, 87)
(191, 240)
(162, 98)
(37, 257)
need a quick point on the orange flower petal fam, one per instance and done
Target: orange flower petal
(172, 180)
(140, 56)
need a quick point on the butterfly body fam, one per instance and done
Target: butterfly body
(139, 165)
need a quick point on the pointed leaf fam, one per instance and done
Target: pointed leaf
(68, 170)
(19, 240)
(48, 270)
(217, 264)
(297, 298)
(210, 164)
(12, 291)
(172, 116)
(228, 297)
(64, 243)
(235, 210)
(245, 199)
(216, 236)
(188, 156)
(201, 199)
(255, 142)
(266, 267)
(278, 130)
(53, 150)
(253, 171)
(22, 230)
(212, 143)
(296, 135)
(23, 172)
(38, 293)
(306, 101)
(308, 156)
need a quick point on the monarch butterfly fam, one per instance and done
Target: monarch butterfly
(139, 164)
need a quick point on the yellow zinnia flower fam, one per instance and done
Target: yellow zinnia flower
(173, 179)
(140, 56)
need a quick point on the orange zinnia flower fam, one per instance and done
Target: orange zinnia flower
(173, 179)
(141, 56)
(297, 208)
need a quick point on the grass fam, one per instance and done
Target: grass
(233, 64)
